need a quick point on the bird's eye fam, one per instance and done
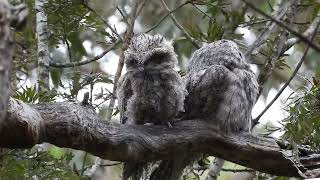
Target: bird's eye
(157, 58)
(132, 62)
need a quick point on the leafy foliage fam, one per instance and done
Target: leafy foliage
(34, 163)
(31, 95)
(303, 124)
(222, 21)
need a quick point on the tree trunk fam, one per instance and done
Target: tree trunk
(43, 50)
(6, 52)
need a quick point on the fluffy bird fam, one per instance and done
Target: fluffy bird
(151, 91)
(222, 89)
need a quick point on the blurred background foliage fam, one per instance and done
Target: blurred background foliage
(78, 31)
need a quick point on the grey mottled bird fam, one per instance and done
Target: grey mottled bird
(151, 91)
(222, 90)
(222, 87)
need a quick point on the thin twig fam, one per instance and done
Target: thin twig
(269, 28)
(279, 23)
(256, 120)
(204, 13)
(251, 23)
(68, 45)
(106, 22)
(164, 17)
(113, 164)
(292, 41)
(301, 23)
(80, 63)
(141, 7)
(123, 16)
(83, 164)
(277, 49)
(126, 41)
(270, 6)
(203, 168)
(186, 34)
(237, 170)
(271, 61)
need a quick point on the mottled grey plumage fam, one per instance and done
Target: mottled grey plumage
(222, 88)
(151, 91)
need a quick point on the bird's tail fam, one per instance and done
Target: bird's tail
(167, 169)
(134, 170)
(172, 169)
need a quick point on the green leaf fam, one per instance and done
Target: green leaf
(215, 31)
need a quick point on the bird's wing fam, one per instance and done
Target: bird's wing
(222, 95)
(204, 88)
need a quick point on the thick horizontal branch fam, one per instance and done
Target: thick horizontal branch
(79, 127)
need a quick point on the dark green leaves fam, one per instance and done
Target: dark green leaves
(32, 163)
(303, 124)
(30, 95)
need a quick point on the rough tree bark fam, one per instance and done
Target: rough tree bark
(14, 16)
(6, 52)
(79, 127)
(43, 50)
(215, 168)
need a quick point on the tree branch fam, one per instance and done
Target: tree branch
(269, 28)
(112, 47)
(203, 168)
(139, 10)
(271, 60)
(292, 41)
(279, 23)
(105, 21)
(123, 16)
(256, 120)
(6, 53)
(175, 21)
(79, 127)
(43, 49)
(215, 168)
(128, 35)
(80, 63)
(278, 49)
(204, 13)
(165, 16)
